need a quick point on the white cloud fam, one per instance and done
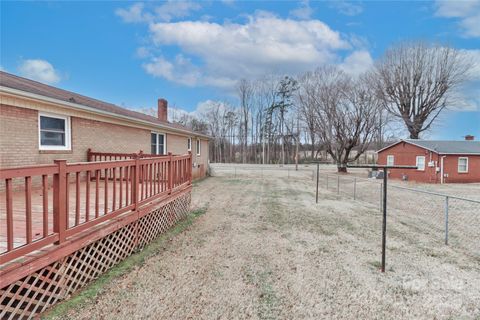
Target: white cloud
(143, 52)
(176, 9)
(223, 53)
(304, 12)
(134, 14)
(467, 97)
(347, 8)
(473, 56)
(179, 70)
(168, 11)
(40, 70)
(468, 13)
(357, 62)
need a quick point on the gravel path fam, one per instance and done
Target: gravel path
(264, 250)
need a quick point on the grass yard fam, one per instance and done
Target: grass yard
(264, 250)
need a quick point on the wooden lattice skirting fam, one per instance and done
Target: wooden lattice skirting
(33, 294)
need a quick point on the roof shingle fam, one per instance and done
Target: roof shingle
(27, 85)
(450, 147)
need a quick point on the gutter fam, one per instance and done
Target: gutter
(81, 107)
(442, 178)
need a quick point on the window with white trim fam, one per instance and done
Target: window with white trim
(189, 144)
(462, 165)
(420, 163)
(198, 147)
(390, 160)
(158, 143)
(54, 132)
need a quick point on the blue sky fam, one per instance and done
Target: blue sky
(131, 53)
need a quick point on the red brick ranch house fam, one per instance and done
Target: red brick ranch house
(40, 123)
(437, 161)
(65, 222)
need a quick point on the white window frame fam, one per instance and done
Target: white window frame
(198, 146)
(416, 163)
(466, 166)
(164, 142)
(189, 144)
(392, 157)
(68, 132)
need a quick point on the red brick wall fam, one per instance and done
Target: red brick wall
(451, 168)
(405, 154)
(19, 138)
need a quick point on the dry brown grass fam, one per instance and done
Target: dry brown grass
(264, 250)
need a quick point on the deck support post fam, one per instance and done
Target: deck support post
(60, 200)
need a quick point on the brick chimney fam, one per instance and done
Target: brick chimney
(469, 137)
(162, 110)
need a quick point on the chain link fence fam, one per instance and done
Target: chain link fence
(426, 218)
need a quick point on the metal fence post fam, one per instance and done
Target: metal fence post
(446, 220)
(354, 188)
(338, 184)
(318, 173)
(235, 172)
(381, 193)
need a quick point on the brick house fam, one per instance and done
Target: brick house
(437, 161)
(40, 123)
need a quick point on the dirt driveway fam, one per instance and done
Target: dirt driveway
(264, 250)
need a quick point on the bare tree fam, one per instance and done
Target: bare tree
(245, 94)
(306, 104)
(415, 82)
(285, 90)
(346, 114)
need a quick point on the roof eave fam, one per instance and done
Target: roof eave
(82, 107)
(429, 149)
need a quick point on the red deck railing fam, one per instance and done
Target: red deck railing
(109, 156)
(71, 198)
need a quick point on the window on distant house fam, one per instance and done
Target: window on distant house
(189, 144)
(420, 163)
(54, 132)
(158, 143)
(390, 160)
(198, 147)
(463, 165)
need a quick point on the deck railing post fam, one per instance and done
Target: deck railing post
(60, 200)
(136, 182)
(89, 155)
(190, 167)
(170, 173)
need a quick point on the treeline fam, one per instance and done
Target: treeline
(328, 112)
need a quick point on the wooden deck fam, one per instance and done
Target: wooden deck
(46, 204)
(38, 225)
(63, 224)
